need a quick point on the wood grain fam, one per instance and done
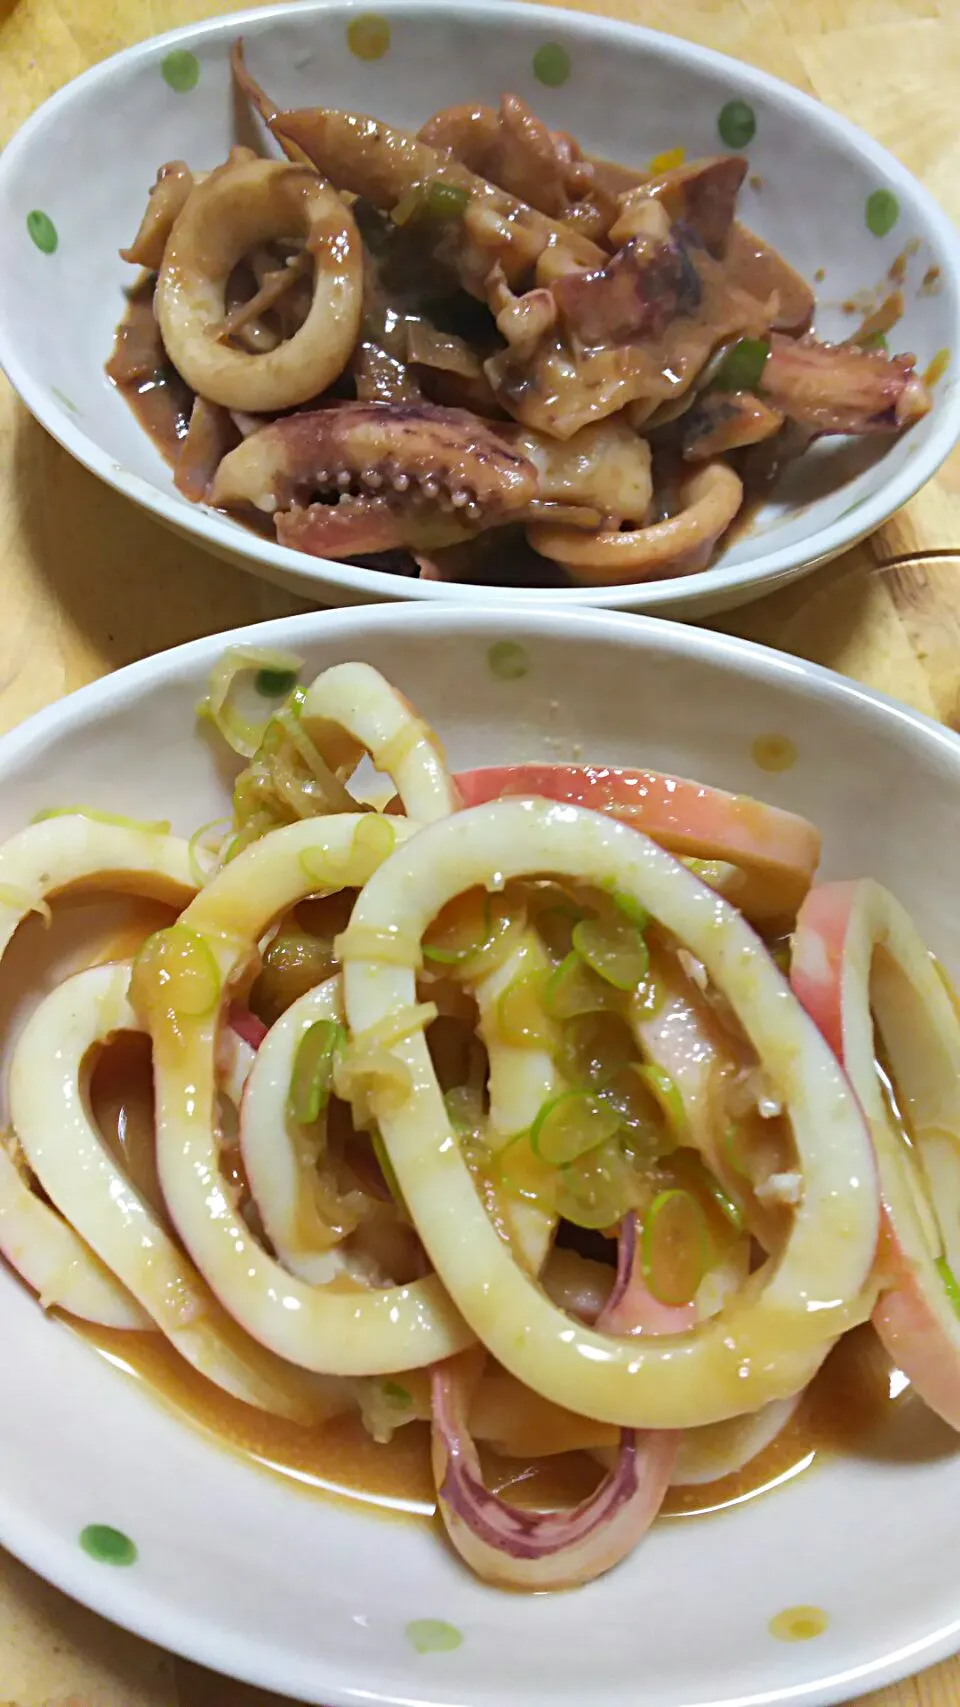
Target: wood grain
(88, 584)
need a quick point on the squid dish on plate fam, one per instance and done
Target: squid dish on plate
(475, 353)
(550, 1112)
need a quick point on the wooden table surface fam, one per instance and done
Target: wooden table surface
(89, 583)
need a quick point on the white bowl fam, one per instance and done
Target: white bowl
(87, 158)
(249, 1574)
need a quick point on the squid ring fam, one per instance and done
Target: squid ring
(49, 1110)
(72, 851)
(54, 1261)
(353, 701)
(358, 1332)
(280, 1182)
(236, 208)
(769, 1341)
(712, 496)
(856, 955)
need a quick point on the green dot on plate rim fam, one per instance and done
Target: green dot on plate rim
(508, 660)
(181, 70)
(433, 1636)
(42, 231)
(882, 212)
(551, 64)
(737, 124)
(107, 1545)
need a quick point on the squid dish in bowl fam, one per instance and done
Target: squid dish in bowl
(475, 355)
(479, 304)
(515, 1132)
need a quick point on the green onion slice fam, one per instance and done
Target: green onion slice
(312, 1078)
(742, 367)
(613, 948)
(674, 1252)
(571, 1125)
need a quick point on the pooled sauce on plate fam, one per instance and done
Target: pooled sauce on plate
(854, 1395)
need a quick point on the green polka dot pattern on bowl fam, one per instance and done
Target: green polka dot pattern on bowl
(368, 37)
(108, 1546)
(508, 660)
(42, 231)
(882, 212)
(433, 1636)
(551, 64)
(737, 124)
(180, 70)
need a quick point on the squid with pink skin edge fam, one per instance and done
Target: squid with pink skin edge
(858, 961)
(771, 1339)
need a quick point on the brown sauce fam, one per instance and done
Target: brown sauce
(138, 367)
(855, 1400)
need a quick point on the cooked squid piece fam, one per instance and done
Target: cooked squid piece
(301, 1213)
(859, 963)
(237, 208)
(512, 148)
(52, 1121)
(70, 851)
(179, 981)
(539, 1551)
(399, 474)
(683, 545)
(167, 200)
(388, 166)
(775, 852)
(352, 710)
(769, 1341)
(51, 1257)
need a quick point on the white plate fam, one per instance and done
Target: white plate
(88, 157)
(248, 1574)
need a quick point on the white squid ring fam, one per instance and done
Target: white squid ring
(50, 1113)
(234, 209)
(362, 1332)
(55, 1262)
(355, 700)
(268, 1139)
(681, 545)
(771, 1340)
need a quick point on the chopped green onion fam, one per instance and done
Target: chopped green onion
(629, 1093)
(393, 1390)
(674, 1247)
(594, 1048)
(196, 843)
(742, 366)
(159, 828)
(464, 1108)
(443, 200)
(573, 988)
(275, 684)
(242, 732)
(571, 1125)
(637, 914)
(374, 840)
(668, 1099)
(436, 201)
(731, 1146)
(950, 1282)
(312, 1078)
(615, 949)
(597, 1190)
(387, 1169)
(175, 972)
(521, 1019)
